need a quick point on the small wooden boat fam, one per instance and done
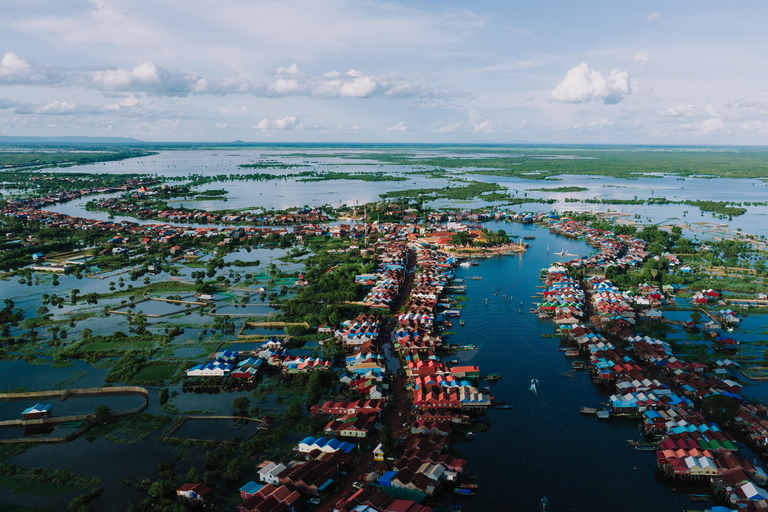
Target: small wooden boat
(588, 410)
(578, 365)
(461, 323)
(699, 497)
(492, 377)
(632, 442)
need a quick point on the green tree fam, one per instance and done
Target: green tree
(193, 476)
(387, 439)
(241, 404)
(722, 408)
(293, 412)
(102, 413)
(462, 238)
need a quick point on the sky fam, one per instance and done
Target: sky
(592, 72)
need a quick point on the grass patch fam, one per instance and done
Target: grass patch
(155, 373)
(136, 428)
(19, 485)
(100, 346)
(12, 450)
(12, 507)
(558, 189)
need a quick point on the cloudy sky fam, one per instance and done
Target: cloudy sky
(651, 72)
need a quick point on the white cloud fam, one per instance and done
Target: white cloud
(582, 84)
(478, 123)
(711, 125)
(450, 128)
(355, 84)
(399, 127)
(15, 70)
(712, 111)
(642, 57)
(595, 125)
(475, 123)
(284, 87)
(678, 111)
(11, 65)
(654, 16)
(293, 69)
(158, 80)
(146, 76)
(599, 123)
(280, 123)
(5, 103)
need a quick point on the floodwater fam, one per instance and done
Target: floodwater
(289, 192)
(541, 447)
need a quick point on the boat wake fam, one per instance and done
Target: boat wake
(569, 445)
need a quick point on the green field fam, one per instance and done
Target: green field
(9, 507)
(99, 346)
(35, 487)
(155, 373)
(618, 161)
(63, 158)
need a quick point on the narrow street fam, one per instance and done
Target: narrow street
(398, 406)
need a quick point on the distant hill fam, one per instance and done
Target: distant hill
(69, 140)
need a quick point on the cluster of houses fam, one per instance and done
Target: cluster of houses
(707, 296)
(392, 261)
(563, 298)
(414, 333)
(64, 196)
(247, 365)
(651, 383)
(442, 398)
(622, 251)
(124, 205)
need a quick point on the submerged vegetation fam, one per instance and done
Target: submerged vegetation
(620, 162)
(464, 190)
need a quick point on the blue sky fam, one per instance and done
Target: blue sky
(355, 71)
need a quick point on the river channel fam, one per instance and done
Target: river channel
(543, 446)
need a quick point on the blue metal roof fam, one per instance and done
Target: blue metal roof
(251, 487)
(37, 408)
